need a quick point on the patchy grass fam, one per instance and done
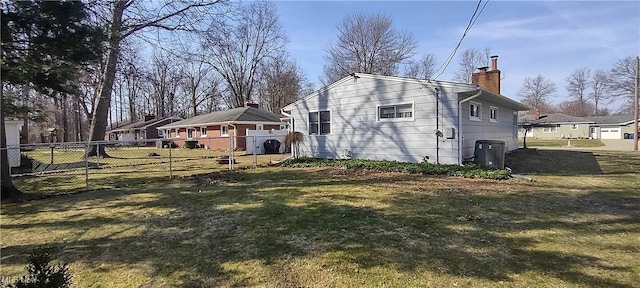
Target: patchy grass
(532, 142)
(337, 227)
(467, 170)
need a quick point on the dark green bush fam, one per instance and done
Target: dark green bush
(466, 170)
(41, 275)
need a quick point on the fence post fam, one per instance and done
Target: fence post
(170, 159)
(255, 155)
(98, 154)
(86, 164)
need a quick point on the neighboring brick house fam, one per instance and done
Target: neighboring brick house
(129, 133)
(214, 129)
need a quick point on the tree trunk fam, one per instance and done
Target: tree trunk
(8, 190)
(101, 110)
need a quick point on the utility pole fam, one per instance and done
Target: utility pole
(635, 108)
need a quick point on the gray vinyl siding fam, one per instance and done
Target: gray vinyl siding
(355, 126)
(504, 129)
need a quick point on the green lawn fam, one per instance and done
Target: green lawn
(532, 142)
(576, 225)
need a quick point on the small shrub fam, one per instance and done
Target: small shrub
(41, 275)
(467, 170)
(189, 144)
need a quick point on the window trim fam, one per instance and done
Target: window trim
(491, 114)
(205, 131)
(192, 131)
(550, 129)
(221, 130)
(479, 116)
(320, 122)
(571, 127)
(412, 118)
(177, 133)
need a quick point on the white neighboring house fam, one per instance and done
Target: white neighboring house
(13, 128)
(375, 117)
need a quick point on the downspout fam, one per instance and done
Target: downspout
(437, 126)
(479, 91)
(291, 125)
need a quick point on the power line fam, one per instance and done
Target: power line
(474, 18)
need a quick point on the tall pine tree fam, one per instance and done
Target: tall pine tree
(45, 44)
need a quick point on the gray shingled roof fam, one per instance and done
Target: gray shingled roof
(612, 119)
(554, 118)
(243, 114)
(140, 124)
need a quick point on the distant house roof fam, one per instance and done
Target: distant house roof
(143, 124)
(236, 115)
(613, 119)
(555, 118)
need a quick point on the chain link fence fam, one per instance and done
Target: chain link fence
(61, 167)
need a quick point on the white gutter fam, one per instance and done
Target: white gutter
(479, 91)
(291, 128)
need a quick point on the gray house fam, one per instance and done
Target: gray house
(410, 120)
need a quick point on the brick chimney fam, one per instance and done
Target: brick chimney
(249, 104)
(149, 117)
(537, 114)
(488, 79)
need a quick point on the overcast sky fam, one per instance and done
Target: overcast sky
(531, 38)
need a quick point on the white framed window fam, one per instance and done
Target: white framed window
(550, 129)
(189, 133)
(475, 111)
(177, 132)
(203, 131)
(493, 114)
(224, 130)
(259, 126)
(395, 112)
(574, 126)
(320, 123)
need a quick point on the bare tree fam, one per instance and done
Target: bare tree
(424, 68)
(622, 82)
(367, 43)
(128, 18)
(236, 50)
(599, 93)
(536, 91)
(470, 60)
(280, 83)
(577, 84)
(576, 108)
(200, 85)
(164, 78)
